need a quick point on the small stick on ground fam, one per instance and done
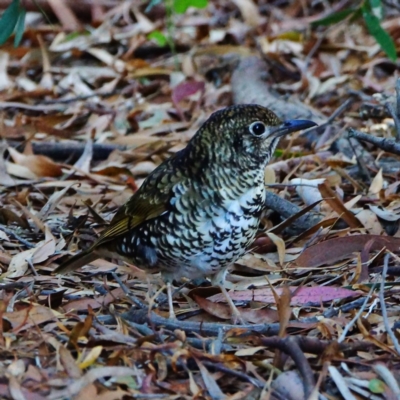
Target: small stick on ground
(287, 209)
(395, 111)
(383, 305)
(127, 292)
(337, 113)
(388, 145)
(10, 232)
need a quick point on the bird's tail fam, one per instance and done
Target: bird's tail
(76, 261)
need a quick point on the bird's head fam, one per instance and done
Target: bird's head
(243, 133)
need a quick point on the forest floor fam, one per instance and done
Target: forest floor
(91, 101)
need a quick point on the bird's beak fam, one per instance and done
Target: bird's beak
(289, 126)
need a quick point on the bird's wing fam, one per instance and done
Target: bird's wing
(150, 201)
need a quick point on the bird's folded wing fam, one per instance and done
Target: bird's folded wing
(130, 217)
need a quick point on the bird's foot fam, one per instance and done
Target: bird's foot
(236, 317)
(172, 314)
(170, 302)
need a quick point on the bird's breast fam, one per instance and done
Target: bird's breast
(211, 232)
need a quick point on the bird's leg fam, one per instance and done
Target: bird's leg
(170, 301)
(219, 280)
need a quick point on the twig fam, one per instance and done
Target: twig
(108, 334)
(354, 320)
(290, 345)
(388, 145)
(32, 107)
(207, 329)
(383, 305)
(312, 345)
(362, 166)
(10, 232)
(395, 111)
(393, 383)
(340, 383)
(287, 209)
(392, 4)
(396, 118)
(79, 98)
(314, 49)
(70, 150)
(339, 111)
(237, 374)
(127, 292)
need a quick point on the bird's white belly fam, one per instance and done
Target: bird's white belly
(227, 234)
(208, 236)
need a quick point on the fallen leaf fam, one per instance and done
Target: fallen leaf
(69, 363)
(280, 244)
(91, 357)
(39, 165)
(28, 317)
(333, 250)
(301, 296)
(333, 200)
(377, 183)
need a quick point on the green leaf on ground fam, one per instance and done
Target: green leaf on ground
(376, 8)
(380, 35)
(180, 6)
(9, 20)
(334, 17)
(376, 386)
(159, 37)
(20, 27)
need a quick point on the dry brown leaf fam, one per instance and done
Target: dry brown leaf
(69, 363)
(280, 244)
(40, 166)
(332, 199)
(30, 316)
(333, 250)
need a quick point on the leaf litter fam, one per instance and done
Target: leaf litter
(88, 113)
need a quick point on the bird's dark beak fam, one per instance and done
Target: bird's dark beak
(293, 125)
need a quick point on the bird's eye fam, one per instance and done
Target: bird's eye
(257, 128)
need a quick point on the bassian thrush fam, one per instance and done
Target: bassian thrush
(198, 211)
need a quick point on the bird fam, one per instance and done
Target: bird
(199, 211)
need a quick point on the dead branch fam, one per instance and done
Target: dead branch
(70, 150)
(207, 329)
(394, 111)
(388, 145)
(286, 209)
(388, 328)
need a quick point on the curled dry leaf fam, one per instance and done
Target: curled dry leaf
(280, 244)
(40, 166)
(333, 200)
(91, 357)
(377, 183)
